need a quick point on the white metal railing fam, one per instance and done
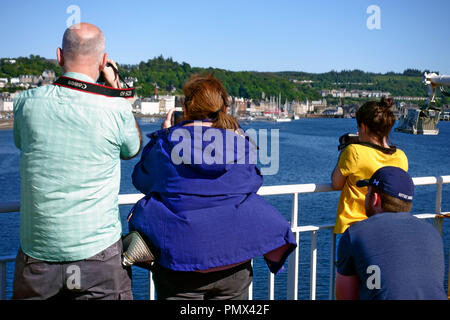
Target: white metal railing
(293, 261)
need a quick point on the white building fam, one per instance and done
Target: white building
(48, 74)
(166, 103)
(27, 78)
(302, 107)
(6, 105)
(149, 107)
(3, 82)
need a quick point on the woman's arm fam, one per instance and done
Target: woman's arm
(142, 169)
(141, 172)
(346, 165)
(337, 179)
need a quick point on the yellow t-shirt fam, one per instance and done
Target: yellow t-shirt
(358, 162)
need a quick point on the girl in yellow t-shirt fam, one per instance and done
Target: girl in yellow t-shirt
(359, 161)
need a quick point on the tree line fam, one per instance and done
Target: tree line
(168, 76)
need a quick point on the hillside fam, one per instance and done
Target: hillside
(32, 65)
(169, 75)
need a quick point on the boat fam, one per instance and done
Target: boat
(148, 120)
(283, 119)
(419, 121)
(424, 120)
(278, 115)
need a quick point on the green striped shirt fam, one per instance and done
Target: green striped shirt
(71, 143)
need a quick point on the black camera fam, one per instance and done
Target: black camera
(347, 139)
(177, 117)
(101, 77)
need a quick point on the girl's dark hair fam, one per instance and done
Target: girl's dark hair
(377, 116)
(206, 98)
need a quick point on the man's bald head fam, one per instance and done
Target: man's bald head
(83, 42)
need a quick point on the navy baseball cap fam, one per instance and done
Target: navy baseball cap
(393, 181)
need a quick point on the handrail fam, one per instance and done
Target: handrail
(293, 261)
(127, 199)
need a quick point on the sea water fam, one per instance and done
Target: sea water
(307, 154)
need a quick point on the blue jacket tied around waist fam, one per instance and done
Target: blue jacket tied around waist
(204, 212)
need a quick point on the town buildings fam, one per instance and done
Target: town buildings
(27, 81)
(343, 93)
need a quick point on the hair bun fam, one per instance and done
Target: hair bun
(386, 102)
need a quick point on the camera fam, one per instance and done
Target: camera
(177, 116)
(347, 139)
(101, 77)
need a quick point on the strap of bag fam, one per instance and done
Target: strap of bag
(390, 150)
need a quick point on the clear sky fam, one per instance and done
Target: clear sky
(261, 35)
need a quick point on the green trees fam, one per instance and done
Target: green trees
(32, 65)
(168, 76)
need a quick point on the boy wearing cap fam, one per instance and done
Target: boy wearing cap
(392, 255)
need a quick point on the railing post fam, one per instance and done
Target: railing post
(271, 278)
(2, 280)
(250, 288)
(151, 287)
(332, 265)
(313, 270)
(448, 282)
(437, 222)
(292, 286)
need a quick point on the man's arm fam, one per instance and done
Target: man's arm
(347, 287)
(140, 144)
(111, 77)
(112, 80)
(347, 280)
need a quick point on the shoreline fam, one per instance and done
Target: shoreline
(6, 124)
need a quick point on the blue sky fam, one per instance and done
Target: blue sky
(296, 35)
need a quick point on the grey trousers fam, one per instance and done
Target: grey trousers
(229, 284)
(101, 276)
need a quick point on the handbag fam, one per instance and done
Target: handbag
(138, 250)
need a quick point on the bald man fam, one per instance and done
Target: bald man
(71, 143)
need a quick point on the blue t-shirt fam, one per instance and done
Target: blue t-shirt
(396, 257)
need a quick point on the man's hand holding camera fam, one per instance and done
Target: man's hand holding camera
(111, 75)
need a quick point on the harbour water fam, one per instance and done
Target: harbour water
(308, 153)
